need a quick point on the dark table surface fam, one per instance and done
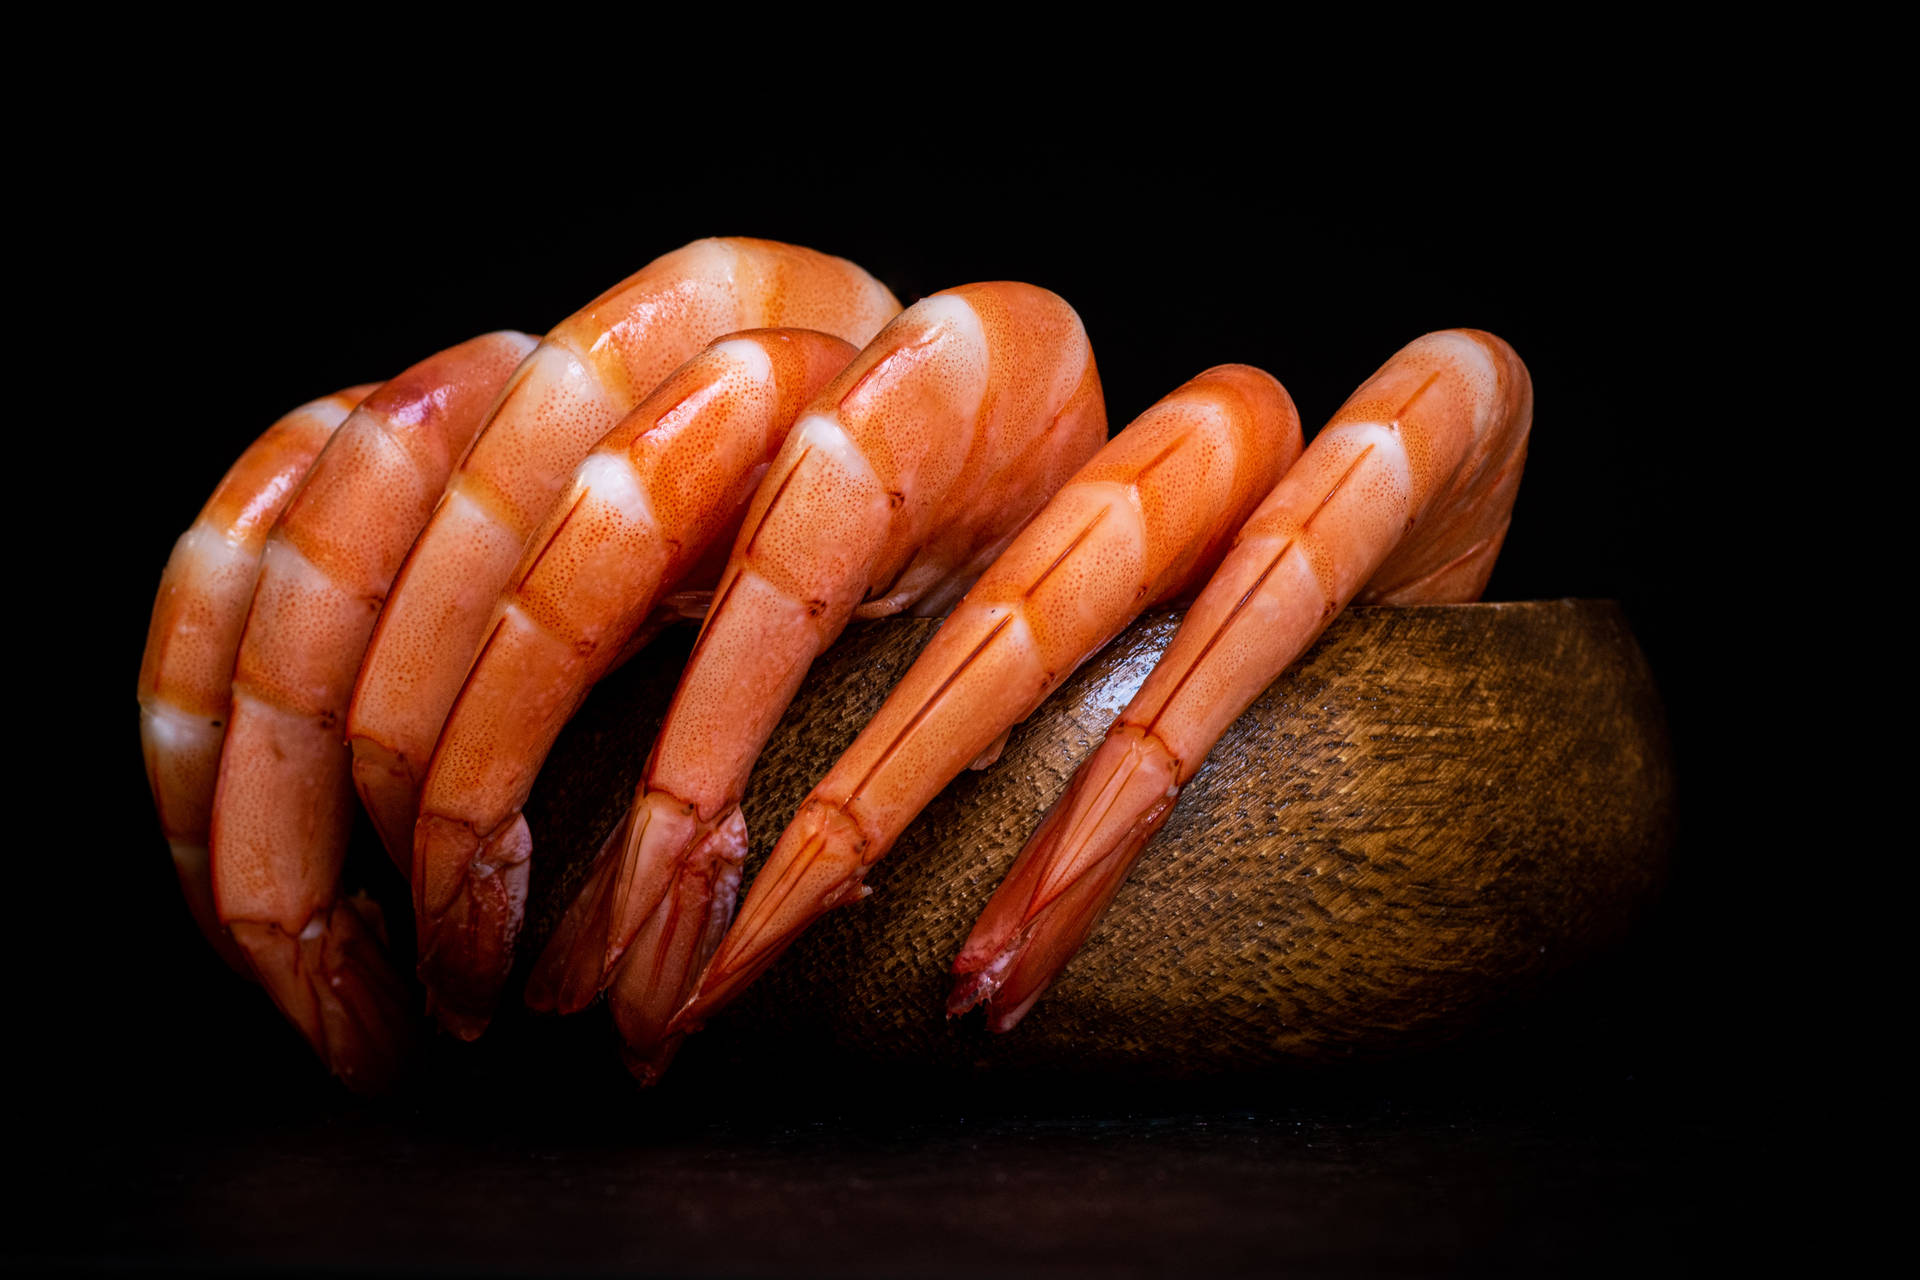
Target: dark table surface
(1579, 1133)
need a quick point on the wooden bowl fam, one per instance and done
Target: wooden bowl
(1431, 812)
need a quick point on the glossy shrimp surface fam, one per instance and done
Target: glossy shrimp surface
(284, 804)
(1403, 498)
(1145, 521)
(645, 510)
(904, 479)
(186, 672)
(587, 374)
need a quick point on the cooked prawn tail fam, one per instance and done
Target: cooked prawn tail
(332, 981)
(672, 947)
(466, 946)
(818, 864)
(1065, 876)
(646, 870)
(665, 843)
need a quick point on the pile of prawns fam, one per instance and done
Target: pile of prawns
(405, 591)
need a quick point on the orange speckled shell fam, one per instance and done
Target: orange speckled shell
(673, 481)
(591, 370)
(284, 803)
(1409, 486)
(1134, 526)
(186, 670)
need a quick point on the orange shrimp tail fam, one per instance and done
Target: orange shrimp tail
(1065, 876)
(665, 842)
(668, 953)
(647, 860)
(819, 864)
(466, 949)
(333, 982)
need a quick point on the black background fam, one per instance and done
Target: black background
(244, 279)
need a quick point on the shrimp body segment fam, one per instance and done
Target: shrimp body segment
(1144, 522)
(284, 805)
(646, 507)
(587, 375)
(1404, 497)
(903, 480)
(186, 672)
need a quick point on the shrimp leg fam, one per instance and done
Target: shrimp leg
(661, 490)
(284, 804)
(1403, 498)
(186, 672)
(588, 373)
(1144, 522)
(902, 481)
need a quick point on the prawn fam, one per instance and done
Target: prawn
(186, 671)
(645, 508)
(284, 802)
(587, 374)
(906, 477)
(1403, 498)
(1143, 523)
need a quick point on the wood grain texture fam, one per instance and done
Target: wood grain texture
(1433, 811)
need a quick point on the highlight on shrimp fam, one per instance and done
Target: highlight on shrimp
(1403, 498)
(588, 373)
(1142, 523)
(637, 528)
(283, 807)
(186, 670)
(906, 477)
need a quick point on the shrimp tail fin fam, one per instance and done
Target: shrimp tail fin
(819, 863)
(659, 870)
(466, 949)
(666, 842)
(1064, 878)
(668, 955)
(333, 982)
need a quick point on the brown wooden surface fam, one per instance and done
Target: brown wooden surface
(1434, 810)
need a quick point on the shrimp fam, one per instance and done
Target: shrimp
(284, 803)
(589, 372)
(186, 673)
(1404, 498)
(1142, 523)
(661, 490)
(905, 478)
